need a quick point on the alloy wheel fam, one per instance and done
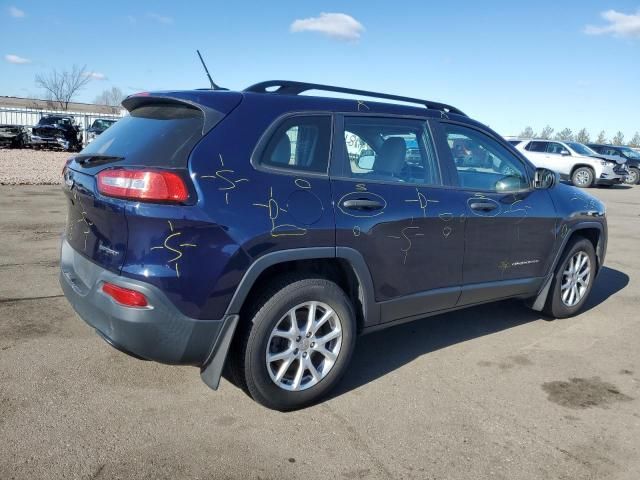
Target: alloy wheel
(304, 346)
(583, 177)
(575, 279)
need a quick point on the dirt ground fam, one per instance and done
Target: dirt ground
(494, 391)
(29, 166)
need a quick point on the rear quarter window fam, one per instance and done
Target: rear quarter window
(159, 135)
(300, 143)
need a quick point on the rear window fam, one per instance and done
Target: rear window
(160, 135)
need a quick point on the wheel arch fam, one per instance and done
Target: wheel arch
(343, 265)
(583, 165)
(595, 232)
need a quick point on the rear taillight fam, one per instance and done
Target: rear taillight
(145, 185)
(125, 296)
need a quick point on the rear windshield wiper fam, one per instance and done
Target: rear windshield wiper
(93, 160)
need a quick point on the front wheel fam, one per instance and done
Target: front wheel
(633, 178)
(573, 279)
(298, 344)
(583, 177)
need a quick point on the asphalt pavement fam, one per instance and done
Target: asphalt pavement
(495, 391)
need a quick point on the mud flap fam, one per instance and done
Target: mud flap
(211, 371)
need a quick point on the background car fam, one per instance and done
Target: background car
(14, 136)
(98, 126)
(57, 131)
(629, 154)
(574, 161)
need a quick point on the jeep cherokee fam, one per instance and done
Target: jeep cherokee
(269, 229)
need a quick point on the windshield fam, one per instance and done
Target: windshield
(581, 149)
(49, 121)
(102, 124)
(631, 153)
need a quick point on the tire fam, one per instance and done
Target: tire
(555, 306)
(583, 177)
(633, 178)
(255, 340)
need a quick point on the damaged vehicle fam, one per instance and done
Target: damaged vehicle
(258, 233)
(14, 136)
(57, 131)
(98, 126)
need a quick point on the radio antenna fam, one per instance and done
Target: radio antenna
(213, 84)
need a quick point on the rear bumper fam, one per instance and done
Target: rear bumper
(158, 332)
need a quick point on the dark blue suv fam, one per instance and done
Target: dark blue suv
(272, 228)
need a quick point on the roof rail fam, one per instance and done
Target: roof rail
(288, 87)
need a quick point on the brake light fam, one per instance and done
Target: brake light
(125, 296)
(145, 185)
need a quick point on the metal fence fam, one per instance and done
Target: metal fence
(29, 117)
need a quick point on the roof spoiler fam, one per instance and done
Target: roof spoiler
(137, 100)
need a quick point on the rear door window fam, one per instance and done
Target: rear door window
(556, 148)
(158, 135)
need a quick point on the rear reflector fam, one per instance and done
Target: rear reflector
(145, 185)
(125, 296)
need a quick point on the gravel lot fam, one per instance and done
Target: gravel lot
(492, 392)
(31, 167)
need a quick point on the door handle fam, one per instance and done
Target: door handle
(483, 206)
(362, 204)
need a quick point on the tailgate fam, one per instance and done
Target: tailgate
(96, 225)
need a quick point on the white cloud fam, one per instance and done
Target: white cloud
(16, 59)
(95, 75)
(336, 25)
(160, 18)
(15, 12)
(620, 25)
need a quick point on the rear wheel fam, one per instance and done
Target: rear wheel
(298, 344)
(573, 279)
(633, 178)
(583, 177)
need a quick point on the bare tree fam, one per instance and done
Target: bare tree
(564, 135)
(112, 97)
(583, 136)
(602, 137)
(546, 132)
(62, 87)
(618, 139)
(635, 141)
(527, 133)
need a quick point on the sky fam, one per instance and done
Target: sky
(508, 64)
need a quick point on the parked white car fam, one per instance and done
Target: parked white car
(573, 161)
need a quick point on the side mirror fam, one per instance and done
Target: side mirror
(544, 178)
(365, 160)
(565, 153)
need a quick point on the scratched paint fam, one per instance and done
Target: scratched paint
(225, 175)
(274, 210)
(170, 244)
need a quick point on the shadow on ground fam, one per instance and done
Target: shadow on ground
(384, 351)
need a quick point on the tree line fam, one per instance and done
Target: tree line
(581, 136)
